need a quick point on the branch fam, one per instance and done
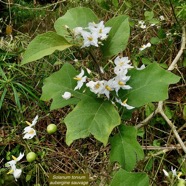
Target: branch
(172, 66)
(172, 126)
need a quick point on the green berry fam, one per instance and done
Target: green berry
(31, 156)
(52, 128)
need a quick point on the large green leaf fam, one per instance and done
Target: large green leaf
(125, 148)
(118, 36)
(75, 17)
(148, 85)
(124, 178)
(43, 45)
(58, 83)
(91, 116)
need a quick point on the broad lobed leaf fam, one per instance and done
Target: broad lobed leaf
(91, 116)
(43, 45)
(58, 83)
(148, 85)
(125, 148)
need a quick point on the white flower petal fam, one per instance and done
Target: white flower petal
(17, 173)
(141, 68)
(21, 155)
(34, 121)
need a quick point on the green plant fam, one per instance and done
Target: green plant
(94, 114)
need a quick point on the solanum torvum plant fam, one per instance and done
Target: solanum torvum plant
(99, 94)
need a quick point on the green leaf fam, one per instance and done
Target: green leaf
(91, 116)
(124, 178)
(43, 45)
(155, 40)
(75, 17)
(118, 36)
(125, 148)
(115, 3)
(3, 97)
(146, 61)
(148, 15)
(148, 85)
(58, 83)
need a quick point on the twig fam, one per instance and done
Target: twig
(172, 66)
(168, 148)
(172, 126)
(146, 120)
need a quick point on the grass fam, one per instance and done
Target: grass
(19, 98)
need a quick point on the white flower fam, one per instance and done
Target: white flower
(15, 160)
(100, 29)
(141, 68)
(66, 95)
(143, 47)
(120, 82)
(29, 131)
(141, 24)
(89, 39)
(80, 80)
(162, 18)
(16, 172)
(96, 87)
(108, 87)
(122, 65)
(124, 104)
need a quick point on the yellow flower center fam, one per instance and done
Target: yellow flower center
(179, 174)
(28, 123)
(125, 101)
(97, 85)
(10, 172)
(100, 31)
(121, 83)
(78, 78)
(14, 158)
(108, 88)
(121, 63)
(90, 38)
(31, 131)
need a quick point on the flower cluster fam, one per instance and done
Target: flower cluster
(12, 165)
(104, 87)
(29, 132)
(93, 34)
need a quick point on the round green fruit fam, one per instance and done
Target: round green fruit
(31, 156)
(52, 128)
